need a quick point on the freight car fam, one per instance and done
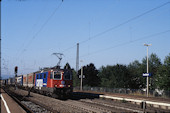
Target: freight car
(11, 81)
(28, 80)
(19, 80)
(4, 82)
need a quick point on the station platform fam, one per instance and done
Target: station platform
(8, 105)
(162, 103)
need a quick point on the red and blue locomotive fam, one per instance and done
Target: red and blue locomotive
(55, 82)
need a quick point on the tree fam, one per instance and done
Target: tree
(154, 64)
(122, 76)
(91, 75)
(137, 80)
(67, 66)
(76, 81)
(105, 73)
(116, 76)
(167, 61)
(163, 75)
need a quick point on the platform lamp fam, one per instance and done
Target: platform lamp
(147, 79)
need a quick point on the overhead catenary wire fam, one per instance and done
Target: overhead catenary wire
(41, 28)
(128, 42)
(117, 26)
(99, 34)
(125, 22)
(69, 48)
(28, 35)
(23, 49)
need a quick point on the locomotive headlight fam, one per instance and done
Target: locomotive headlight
(62, 82)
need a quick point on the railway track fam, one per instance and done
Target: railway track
(17, 99)
(78, 104)
(123, 104)
(28, 106)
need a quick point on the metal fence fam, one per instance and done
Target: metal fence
(152, 93)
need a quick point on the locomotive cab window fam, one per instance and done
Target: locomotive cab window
(40, 76)
(37, 76)
(44, 75)
(57, 75)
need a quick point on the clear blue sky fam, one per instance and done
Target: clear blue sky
(109, 32)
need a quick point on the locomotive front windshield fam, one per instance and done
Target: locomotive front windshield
(57, 75)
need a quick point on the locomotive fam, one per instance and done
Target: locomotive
(53, 82)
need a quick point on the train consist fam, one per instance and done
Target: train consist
(53, 82)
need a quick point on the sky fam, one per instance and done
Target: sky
(109, 32)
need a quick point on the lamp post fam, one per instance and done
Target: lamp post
(147, 69)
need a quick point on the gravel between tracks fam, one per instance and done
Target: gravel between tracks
(68, 106)
(53, 104)
(80, 105)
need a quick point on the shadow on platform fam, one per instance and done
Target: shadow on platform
(84, 95)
